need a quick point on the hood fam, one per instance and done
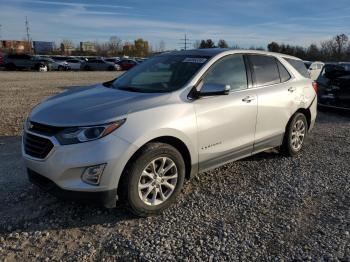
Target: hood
(94, 105)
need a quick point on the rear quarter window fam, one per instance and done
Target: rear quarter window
(299, 66)
(265, 70)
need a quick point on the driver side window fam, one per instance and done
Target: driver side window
(229, 70)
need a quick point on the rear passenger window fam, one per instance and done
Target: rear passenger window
(230, 70)
(284, 74)
(299, 66)
(265, 70)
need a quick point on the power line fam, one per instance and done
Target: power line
(185, 42)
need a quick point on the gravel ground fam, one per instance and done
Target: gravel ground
(266, 207)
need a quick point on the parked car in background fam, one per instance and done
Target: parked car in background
(307, 64)
(25, 61)
(75, 64)
(334, 86)
(127, 64)
(1, 59)
(140, 59)
(56, 65)
(315, 69)
(138, 137)
(61, 58)
(114, 60)
(100, 64)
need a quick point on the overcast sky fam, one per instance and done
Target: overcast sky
(244, 23)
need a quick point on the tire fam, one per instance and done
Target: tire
(60, 68)
(134, 178)
(293, 142)
(87, 68)
(111, 68)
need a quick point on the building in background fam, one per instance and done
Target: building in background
(42, 47)
(16, 46)
(87, 47)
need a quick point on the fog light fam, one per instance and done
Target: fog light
(92, 174)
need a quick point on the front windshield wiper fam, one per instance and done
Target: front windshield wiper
(129, 88)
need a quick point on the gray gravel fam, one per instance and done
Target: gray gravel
(266, 207)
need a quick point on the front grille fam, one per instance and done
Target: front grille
(44, 129)
(37, 146)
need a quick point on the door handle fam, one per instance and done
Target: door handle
(291, 89)
(247, 99)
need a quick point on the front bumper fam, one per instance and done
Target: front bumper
(102, 198)
(63, 167)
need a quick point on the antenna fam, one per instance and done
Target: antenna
(185, 42)
(28, 35)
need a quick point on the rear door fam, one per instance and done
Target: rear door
(277, 96)
(226, 123)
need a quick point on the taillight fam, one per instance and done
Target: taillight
(315, 86)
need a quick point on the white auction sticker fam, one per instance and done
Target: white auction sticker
(197, 60)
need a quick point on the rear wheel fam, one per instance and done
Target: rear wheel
(87, 68)
(295, 135)
(153, 179)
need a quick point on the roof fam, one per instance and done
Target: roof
(215, 51)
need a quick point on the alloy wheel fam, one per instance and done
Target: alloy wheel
(298, 134)
(158, 181)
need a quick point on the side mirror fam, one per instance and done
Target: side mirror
(214, 90)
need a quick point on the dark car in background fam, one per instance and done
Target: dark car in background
(1, 59)
(100, 64)
(334, 86)
(25, 61)
(127, 64)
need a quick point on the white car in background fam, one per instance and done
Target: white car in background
(74, 64)
(315, 69)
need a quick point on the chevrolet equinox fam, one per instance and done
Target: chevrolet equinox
(138, 137)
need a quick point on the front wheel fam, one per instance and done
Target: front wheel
(153, 179)
(295, 135)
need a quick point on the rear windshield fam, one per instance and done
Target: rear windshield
(299, 66)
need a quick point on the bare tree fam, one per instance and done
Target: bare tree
(115, 45)
(340, 45)
(197, 44)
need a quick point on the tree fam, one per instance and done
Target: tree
(273, 47)
(340, 45)
(312, 53)
(114, 45)
(222, 43)
(161, 46)
(207, 44)
(197, 44)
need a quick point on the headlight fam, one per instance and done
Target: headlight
(76, 135)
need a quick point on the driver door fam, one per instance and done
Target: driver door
(226, 123)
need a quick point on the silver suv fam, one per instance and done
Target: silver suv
(138, 137)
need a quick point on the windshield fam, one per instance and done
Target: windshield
(163, 73)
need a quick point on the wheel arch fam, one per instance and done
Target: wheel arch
(306, 112)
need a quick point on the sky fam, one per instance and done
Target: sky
(244, 23)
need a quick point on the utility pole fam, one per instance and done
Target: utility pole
(185, 42)
(28, 35)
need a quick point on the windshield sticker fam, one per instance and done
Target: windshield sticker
(194, 60)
